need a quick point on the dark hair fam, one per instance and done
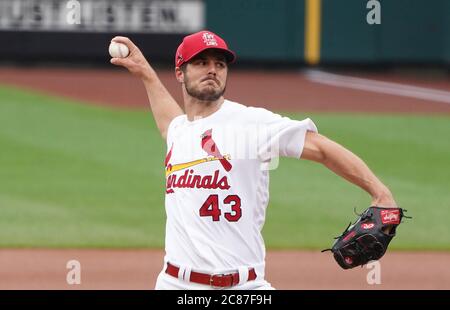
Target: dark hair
(183, 67)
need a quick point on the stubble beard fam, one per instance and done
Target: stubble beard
(208, 94)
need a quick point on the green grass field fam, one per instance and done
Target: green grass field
(75, 175)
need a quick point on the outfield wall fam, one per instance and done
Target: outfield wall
(410, 31)
(260, 31)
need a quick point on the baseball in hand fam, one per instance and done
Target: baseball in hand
(118, 50)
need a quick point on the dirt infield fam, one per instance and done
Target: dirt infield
(290, 91)
(137, 269)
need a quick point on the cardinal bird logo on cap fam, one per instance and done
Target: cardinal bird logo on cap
(210, 147)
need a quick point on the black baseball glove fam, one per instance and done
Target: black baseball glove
(368, 238)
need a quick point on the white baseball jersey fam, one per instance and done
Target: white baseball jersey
(217, 185)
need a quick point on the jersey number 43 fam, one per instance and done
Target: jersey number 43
(211, 208)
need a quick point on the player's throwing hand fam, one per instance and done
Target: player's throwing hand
(135, 62)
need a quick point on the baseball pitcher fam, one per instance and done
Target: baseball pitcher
(219, 153)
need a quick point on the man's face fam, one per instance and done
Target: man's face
(205, 76)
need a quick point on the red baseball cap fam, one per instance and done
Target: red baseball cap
(196, 43)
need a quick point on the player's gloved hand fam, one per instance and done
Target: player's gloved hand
(368, 238)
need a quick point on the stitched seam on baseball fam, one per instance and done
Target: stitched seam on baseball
(123, 50)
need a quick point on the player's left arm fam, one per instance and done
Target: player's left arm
(344, 163)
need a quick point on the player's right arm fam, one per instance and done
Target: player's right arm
(163, 106)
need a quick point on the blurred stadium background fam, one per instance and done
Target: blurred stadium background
(81, 162)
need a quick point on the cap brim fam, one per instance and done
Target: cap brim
(229, 55)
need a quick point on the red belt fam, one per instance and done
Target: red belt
(217, 280)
